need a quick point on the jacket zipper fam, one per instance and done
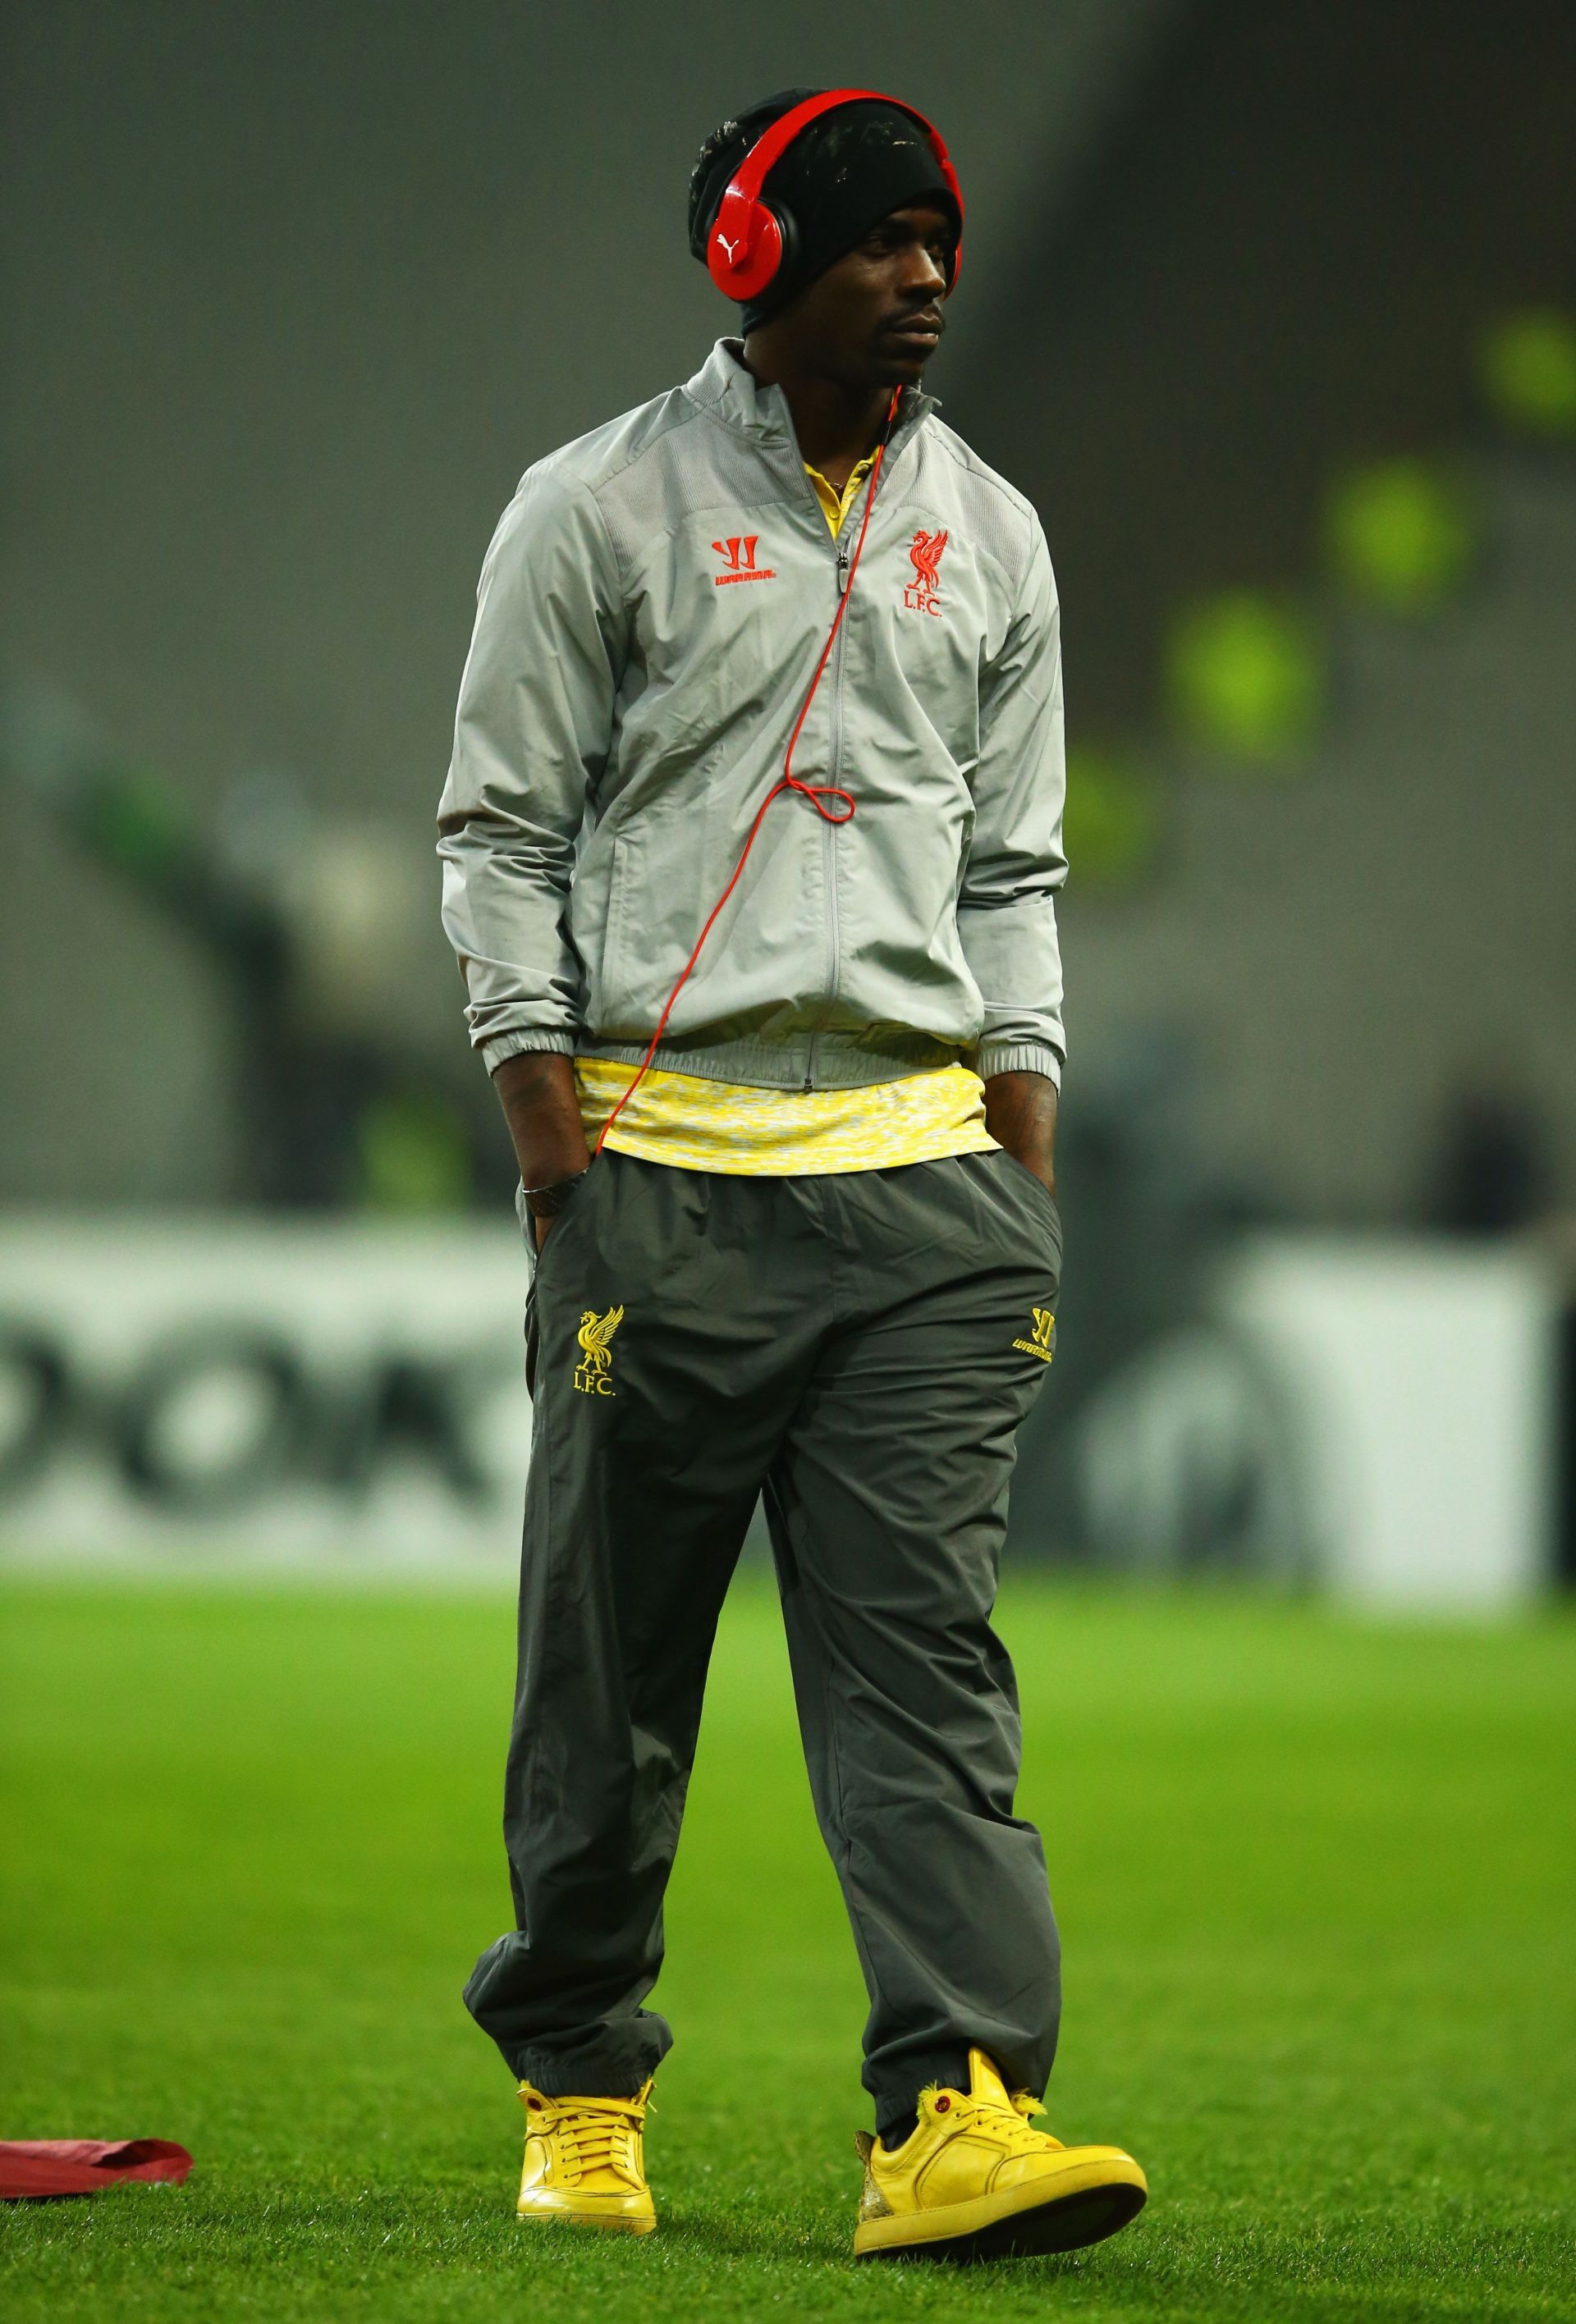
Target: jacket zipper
(829, 831)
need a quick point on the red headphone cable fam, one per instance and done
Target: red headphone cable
(818, 794)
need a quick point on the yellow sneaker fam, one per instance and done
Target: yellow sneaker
(585, 2161)
(974, 2181)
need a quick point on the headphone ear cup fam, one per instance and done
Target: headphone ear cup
(745, 248)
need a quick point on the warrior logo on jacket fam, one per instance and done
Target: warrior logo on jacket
(737, 553)
(923, 593)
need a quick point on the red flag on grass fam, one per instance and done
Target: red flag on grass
(81, 2166)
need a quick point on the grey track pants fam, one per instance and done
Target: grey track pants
(863, 1346)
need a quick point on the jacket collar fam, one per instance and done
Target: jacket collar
(733, 394)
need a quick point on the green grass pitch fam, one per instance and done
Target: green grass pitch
(1315, 1882)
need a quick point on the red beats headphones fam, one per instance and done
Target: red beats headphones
(743, 250)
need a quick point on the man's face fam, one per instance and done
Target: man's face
(874, 317)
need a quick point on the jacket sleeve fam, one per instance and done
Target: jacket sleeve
(533, 731)
(1006, 911)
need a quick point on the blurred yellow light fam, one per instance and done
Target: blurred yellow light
(412, 1154)
(1527, 367)
(1114, 824)
(1398, 534)
(1245, 676)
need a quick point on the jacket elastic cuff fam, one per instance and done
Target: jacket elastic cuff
(503, 1045)
(1017, 1057)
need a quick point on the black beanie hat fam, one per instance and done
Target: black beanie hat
(849, 169)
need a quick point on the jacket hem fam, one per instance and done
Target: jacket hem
(775, 1064)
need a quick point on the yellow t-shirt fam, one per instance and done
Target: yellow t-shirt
(747, 1132)
(835, 505)
(692, 1124)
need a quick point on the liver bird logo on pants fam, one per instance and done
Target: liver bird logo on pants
(923, 593)
(595, 1364)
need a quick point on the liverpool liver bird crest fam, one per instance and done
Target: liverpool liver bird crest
(596, 1356)
(923, 594)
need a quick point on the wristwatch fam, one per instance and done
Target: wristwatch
(546, 1201)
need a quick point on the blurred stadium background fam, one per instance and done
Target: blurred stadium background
(1272, 312)
(1269, 311)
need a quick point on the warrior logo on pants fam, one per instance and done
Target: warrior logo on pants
(595, 1364)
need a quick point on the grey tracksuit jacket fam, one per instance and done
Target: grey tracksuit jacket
(651, 612)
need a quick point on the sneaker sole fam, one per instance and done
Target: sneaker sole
(605, 2223)
(1056, 2223)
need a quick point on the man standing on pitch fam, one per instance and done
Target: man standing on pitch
(776, 657)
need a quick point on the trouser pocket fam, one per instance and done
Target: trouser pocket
(534, 1258)
(1034, 1197)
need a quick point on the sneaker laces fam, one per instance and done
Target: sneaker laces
(1028, 2106)
(1008, 2125)
(597, 2136)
